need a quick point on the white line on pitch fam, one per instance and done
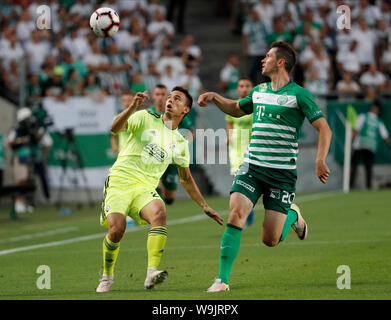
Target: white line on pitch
(39, 234)
(302, 199)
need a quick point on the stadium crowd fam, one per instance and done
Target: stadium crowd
(70, 60)
(343, 61)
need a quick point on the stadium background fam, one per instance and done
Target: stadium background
(207, 52)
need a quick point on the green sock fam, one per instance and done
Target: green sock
(110, 254)
(230, 245)
(291, 218)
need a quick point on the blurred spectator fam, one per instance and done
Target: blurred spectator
(160, 28)
(254, 44)
(349, 61)
(266, 13)
(168, 58)
(24, 27)
(279, 32)
(34, 89)
(151, 78)
(366, 39)
(180, 5)
(120, 64)
(148, 54)
(168, 78)
(54, 86)
(93, 88)
(36, 52)
(191, 82)
(189, 51)
(76, 44)
(14, 51)
(138, 84)
(96, 60)
(321, 63)
(373, 78)
(347, 86)
(83, 8)
(315, 84)
(74, 84)
(11, 78)
(69, 63)
(369, 12)
(19, 140)
(309, 17)
(366, 134)
(301, 41)
(229, 76)
(153, 6)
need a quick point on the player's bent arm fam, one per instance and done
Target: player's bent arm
(120, 123)
(191, 188)
(114, 143)
(324, 140)
(228, 106)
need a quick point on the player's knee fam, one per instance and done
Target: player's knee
(116, 232)
(269, 241)
(159, 217)
(238, 212)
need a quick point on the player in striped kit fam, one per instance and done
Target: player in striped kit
(269, 168)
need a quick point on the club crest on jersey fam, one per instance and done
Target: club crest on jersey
(171, 146)
(283, 99)
(262, 87)
(153, 150)
(108, 208)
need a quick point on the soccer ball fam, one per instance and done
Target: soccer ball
(104, 22)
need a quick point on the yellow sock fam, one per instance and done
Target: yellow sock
(155, 245)
(110, 254)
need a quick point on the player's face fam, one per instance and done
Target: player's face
(244, 88)
(269, 63)
(159, 96)
(176, 104)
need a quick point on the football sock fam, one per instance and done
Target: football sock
(250, 218)
(110, 254)
(230, 245)
(155, 245)
(291, 218)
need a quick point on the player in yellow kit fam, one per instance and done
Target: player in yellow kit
(239, 134)
(153, 144)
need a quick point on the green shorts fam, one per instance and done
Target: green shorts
(254, 187)
(125, 198)
(170, 177)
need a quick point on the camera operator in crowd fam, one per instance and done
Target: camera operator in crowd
(28, 139)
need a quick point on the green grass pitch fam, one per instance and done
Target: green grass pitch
(352, 230)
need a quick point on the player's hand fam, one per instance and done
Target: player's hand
(214, 215)
(322, 171)
(138, 99)
(204, 98)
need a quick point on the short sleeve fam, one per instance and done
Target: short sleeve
(136, 120)
(182, 155)
(246, 104)
(229, 118)
(308, 106)
(383, 131)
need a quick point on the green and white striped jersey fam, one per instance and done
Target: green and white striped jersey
(277, 119)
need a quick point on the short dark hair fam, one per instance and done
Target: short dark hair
(287, 52)
(186, 93)
(160, 86)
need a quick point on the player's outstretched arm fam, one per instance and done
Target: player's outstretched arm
(191, 188)
(325, 134)
(120, 123)
(228, 106)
